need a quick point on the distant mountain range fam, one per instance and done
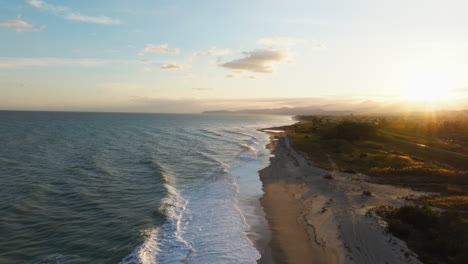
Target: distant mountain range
(282, 111)
(365, 107)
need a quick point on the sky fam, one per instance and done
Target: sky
(190, 56)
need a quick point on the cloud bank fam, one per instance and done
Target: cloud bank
(193, 105)
(68, 14)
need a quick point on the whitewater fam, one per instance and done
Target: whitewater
(132, 188)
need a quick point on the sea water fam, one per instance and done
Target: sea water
(131, 188)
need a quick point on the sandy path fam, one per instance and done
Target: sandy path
(319, 220)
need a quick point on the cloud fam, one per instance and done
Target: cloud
(90, 19)
(146, 69)
(20, 25)
(16, 23)
(37, 3)
(261, 61)
(202, 89)
(18, 63)
(173, 66)
(67, 13)
(279, 42)
(163, 48)
(320, 46)
(232, 76)
(213, 52)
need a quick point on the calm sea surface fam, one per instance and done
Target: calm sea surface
(130, 188)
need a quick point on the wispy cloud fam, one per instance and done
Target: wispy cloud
(173, 66)
(260, 61)
(16, 23)
(279, 42)
(146, 69)
(212, 52)
(92, 19)
(69, 14)
(21, 25)
(163, 48)
(17, 63)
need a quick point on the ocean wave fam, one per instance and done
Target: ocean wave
(161, 243)
(212, 132)
(209, 134)
(245, 133)
(249, 148)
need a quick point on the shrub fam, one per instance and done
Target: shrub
(356, 131)
(436, 237)
(367, 192)
(399, 228)
(348, 171)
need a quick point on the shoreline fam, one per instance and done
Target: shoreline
(319, 220)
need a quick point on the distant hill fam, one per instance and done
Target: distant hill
(283, 111)
(365, 107)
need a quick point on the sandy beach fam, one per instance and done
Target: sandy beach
(315, 219)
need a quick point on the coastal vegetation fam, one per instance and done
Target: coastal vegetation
(387, 150)
(437, 237)
(427, 152)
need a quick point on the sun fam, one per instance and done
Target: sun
(428, 84)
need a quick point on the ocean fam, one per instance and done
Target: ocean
(131, 188)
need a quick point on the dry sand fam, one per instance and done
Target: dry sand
(319, 220)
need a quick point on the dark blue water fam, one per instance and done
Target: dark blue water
(130, 188)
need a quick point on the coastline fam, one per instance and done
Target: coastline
(319, 220)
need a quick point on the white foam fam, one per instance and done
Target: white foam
(250, 148)
(160, 241)
(205, 220)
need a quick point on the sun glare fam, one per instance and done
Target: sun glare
(428, 84)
